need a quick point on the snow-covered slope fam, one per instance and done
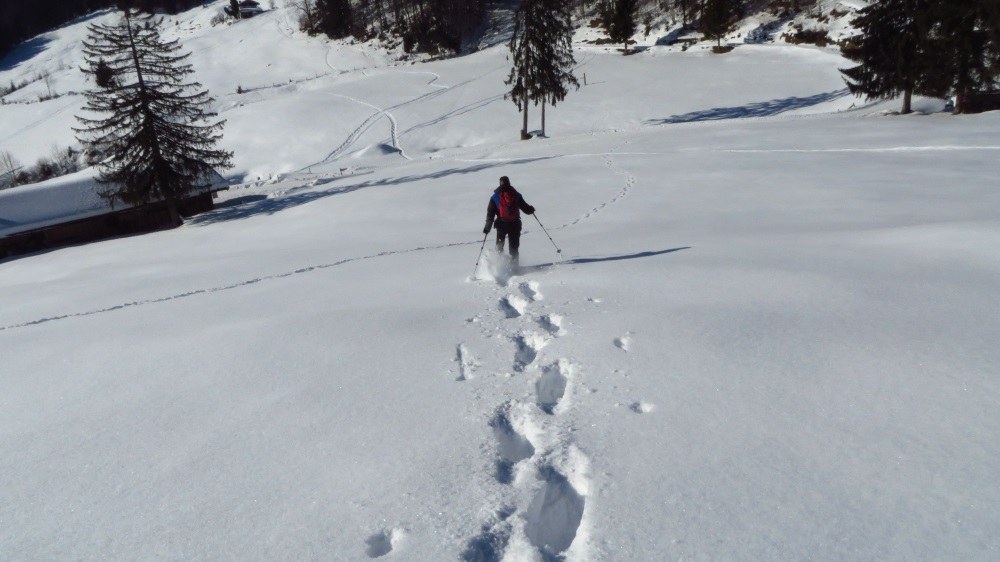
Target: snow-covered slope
(770, 332)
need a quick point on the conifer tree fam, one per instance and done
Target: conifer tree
(717, 17)
(334, 18)
(542, 53)
(685, 7)
(555, 75)
(524, 60)
(965, 46)
(154, 131)
(619, 19)
(892, 51)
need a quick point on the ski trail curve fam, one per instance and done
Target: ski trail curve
(360, 129)
(432, 81)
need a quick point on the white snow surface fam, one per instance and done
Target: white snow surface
(770, 333)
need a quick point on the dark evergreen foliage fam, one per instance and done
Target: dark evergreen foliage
(104, 76)
(542, 55)
(965, 37)
(430, 26)
(893, 51)
(717, 19)
(619, 20)
(153, 131)
(686, 9)
(334, 18)
(928, 47)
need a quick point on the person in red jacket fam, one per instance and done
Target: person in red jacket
(504, 213)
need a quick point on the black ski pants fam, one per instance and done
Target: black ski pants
(511, 231)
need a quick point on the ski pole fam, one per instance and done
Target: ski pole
(558, 251)
(480, 254)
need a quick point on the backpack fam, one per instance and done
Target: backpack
(506, 203)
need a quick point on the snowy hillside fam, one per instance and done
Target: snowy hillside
(770, 333)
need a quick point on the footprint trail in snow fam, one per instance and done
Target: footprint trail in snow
(535, 460)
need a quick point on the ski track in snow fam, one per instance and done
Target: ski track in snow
(629, 183)
(609, 163)
(386, 112)
(232, 286)
(535, 461)
(66, 107)
(432, 81)
(364, 126)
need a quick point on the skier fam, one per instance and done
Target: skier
(505, 206)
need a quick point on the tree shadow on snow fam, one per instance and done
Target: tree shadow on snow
(255, 205)
(29, 49)
(762, 109)
(577, 261)
(23, 53)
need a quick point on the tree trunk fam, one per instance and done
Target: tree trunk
(524, 126)
(907, 101)
(175, 215)
(543, 118)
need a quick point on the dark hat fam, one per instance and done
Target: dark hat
(504, 180)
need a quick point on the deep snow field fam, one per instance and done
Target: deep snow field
(771, 332)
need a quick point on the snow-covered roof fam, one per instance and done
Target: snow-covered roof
(57, 200)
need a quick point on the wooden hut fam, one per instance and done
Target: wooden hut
(68, 210)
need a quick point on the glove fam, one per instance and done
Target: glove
(487, 228)
(531, 210)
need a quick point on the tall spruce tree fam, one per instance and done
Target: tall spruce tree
(619, 20)
(155, 133)
(555, 75)
(993, 26)
(524, 60)
(717, 17)
(542, 54)
(893, 52)
(965, 38)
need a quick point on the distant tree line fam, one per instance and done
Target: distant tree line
(441, 25)
(423, 25)
(23, 19)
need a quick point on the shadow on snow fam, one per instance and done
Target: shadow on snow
(27, 50)
(575, 261)
(762, 109)
(23, 53)
(254, 205)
